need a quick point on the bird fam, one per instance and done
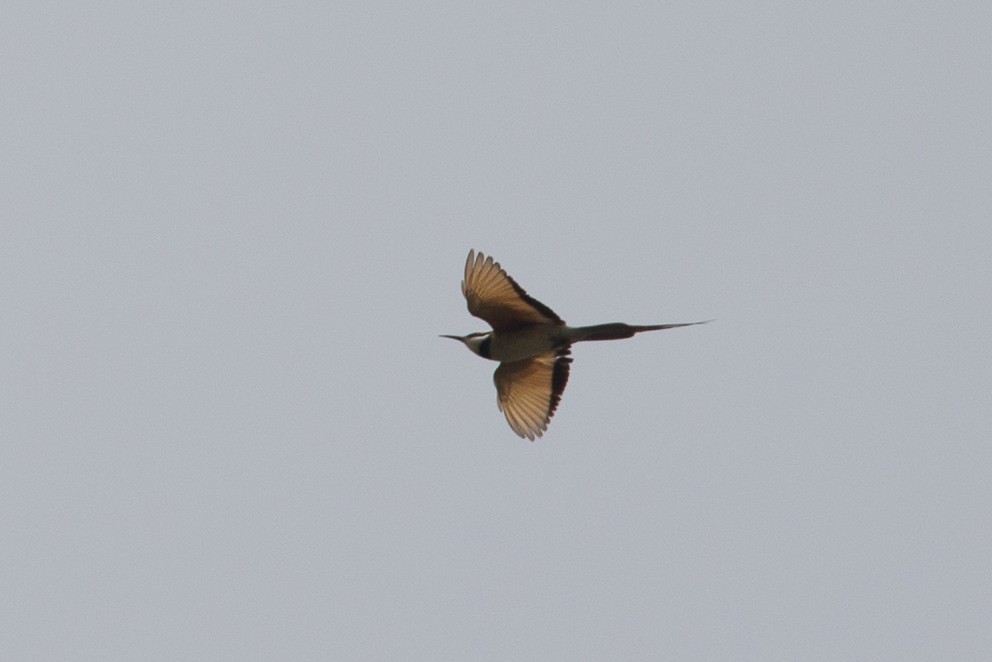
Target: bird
(530, 342)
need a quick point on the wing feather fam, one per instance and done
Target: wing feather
(495, 297)
(528, 391)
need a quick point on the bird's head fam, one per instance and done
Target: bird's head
(477, 342)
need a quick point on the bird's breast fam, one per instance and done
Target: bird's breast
(507, 346)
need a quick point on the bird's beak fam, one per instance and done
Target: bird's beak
(458, 338)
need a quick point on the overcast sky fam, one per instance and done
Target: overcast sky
(231, 233)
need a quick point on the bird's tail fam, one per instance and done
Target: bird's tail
(618, 330)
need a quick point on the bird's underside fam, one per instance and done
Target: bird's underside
(530, 341)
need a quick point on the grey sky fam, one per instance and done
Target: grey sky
(232, 233)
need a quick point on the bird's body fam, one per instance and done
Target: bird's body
(534, 339)
(525, 342)
(530, 341)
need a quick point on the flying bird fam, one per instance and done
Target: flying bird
(531, 343)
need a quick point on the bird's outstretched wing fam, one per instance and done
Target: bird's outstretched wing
(528, 391)
(495, 297)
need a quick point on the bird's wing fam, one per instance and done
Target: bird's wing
(528, 391)
(495, 297)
